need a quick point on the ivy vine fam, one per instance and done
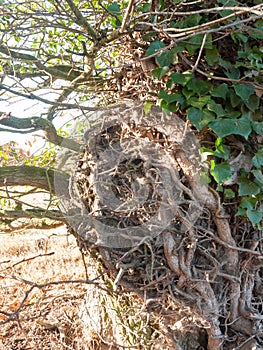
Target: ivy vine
(214, 76)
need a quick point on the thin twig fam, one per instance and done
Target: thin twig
(229, 246)
(81, 20)
(200, 53)
(28, 259)
(125, 17)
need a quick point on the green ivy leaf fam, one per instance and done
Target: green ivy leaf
(258, 24)
(248, 202)
(244, 91)
(254, 216)
(167, 58)
(181, 78)
(243, 38)
(234, 99)
(199, 118)
(229, 194)
(225, 64)
(170, 98)
(198, 102)
(247, 187)
(252, 103)
(220, 172)
(258, 176)
(221, 150)
(154, 47)
(195, 116)
(169, 107)
(257, 160)
(207, 117)
(145, 7)
(234, 114)
(159, 73)
(212, 56)
(209, 42)
(194, 43)
(192, 20)
(114, 8)
(258, 127)
(198, 86)
(243, 127)
(220, 91)
(232, 72)
(224, 127)
(216, 108)
(241, 212)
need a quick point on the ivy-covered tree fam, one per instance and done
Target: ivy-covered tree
(106, 65)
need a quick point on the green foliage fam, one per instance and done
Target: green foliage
(227, 126)
(247, 187)
(220, 172)
(154, 47)
(209, 68)
(47, 158)
(218, 86)
(10, 154)
(116, 18)
(160, 72)
(257, 160)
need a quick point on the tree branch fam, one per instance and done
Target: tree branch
(31, 96)
(33, 213)
(52, 109)
(81, 20)
(28, 125)
(50, 180)
(61, 71)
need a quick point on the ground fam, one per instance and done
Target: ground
(49, 317)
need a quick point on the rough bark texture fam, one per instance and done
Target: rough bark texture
(27, 125)
(198, 263)
(34, 176)
(197, 282)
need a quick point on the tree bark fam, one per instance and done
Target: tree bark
(50, 180)
(28, 125)
(33, 213)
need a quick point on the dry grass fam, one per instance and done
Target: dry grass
(49, 317)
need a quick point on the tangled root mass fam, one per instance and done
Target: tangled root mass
(142, 205)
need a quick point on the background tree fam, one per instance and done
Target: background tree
(202, 61)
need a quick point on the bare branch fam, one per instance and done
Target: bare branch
(33, 213)
(32, 96)
(60, 71)
(29, 259)
(125, 17)
(81, 20)
(28, 125)
(33, 176)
